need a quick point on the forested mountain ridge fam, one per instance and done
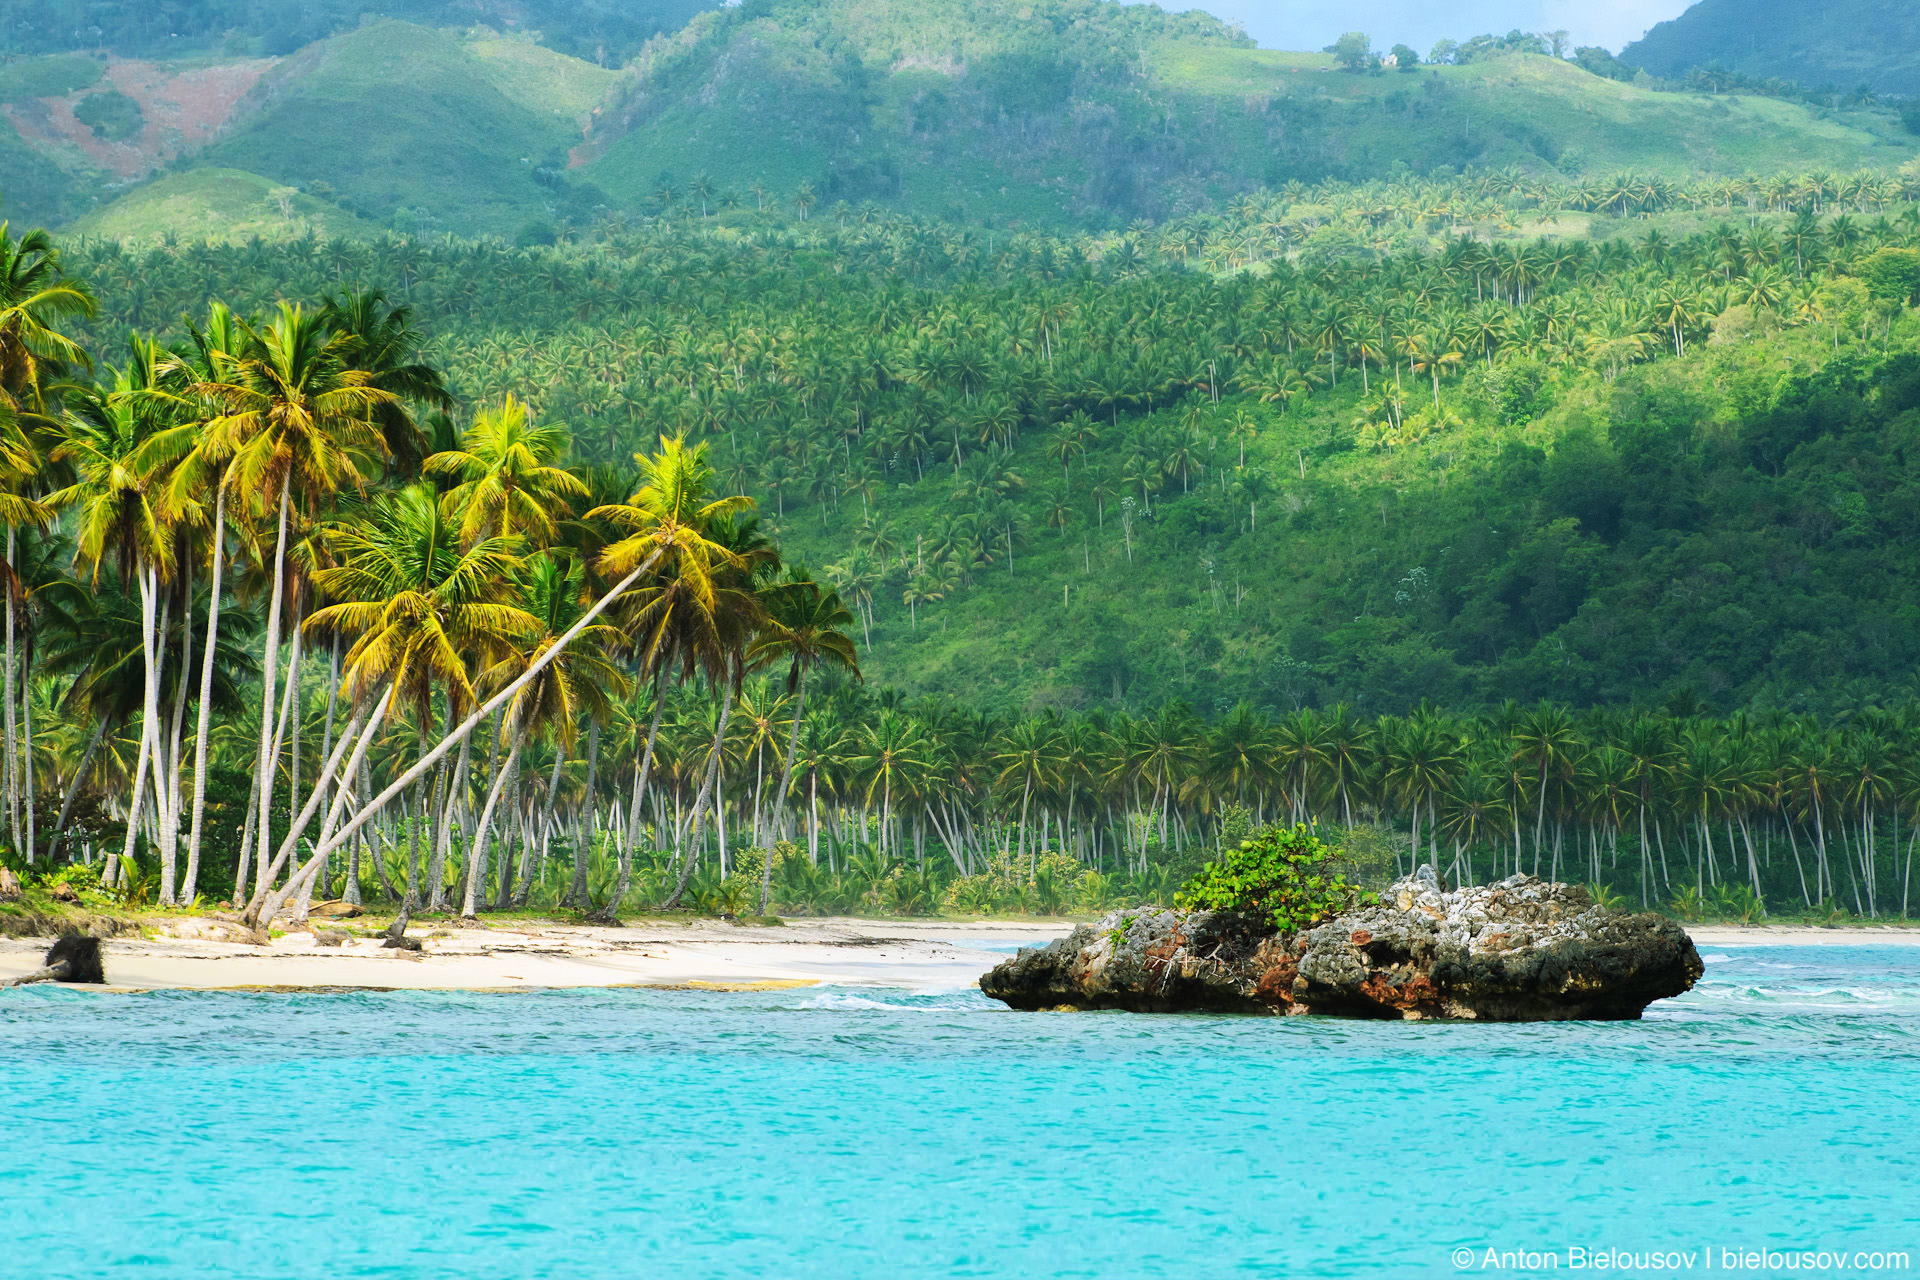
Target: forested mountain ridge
(1354, 460)
(1842, 43)
(1004, 113)
(607, 32)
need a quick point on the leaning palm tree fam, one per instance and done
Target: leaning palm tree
(805, 627)
(581, 680)
(663, 520)
(672, 620)
(419, 609)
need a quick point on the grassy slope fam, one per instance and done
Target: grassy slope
(33, 188)
(1837, 42)
(928, 106)
(217, 204)
(394, 115)
(537, 78)
(1518, 110)
(773, 101)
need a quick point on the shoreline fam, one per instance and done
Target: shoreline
(1804, 935)
(207, 954)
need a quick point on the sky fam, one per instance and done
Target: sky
(1315, 24)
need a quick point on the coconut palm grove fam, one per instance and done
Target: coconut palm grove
(993, 639)
(594, 577)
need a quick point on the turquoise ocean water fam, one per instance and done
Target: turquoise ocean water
(841, 1133)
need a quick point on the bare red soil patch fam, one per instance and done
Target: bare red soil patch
(183, 111)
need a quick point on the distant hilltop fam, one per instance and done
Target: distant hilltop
(1840, 43)
(534, 119)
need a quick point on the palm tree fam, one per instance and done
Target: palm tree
(421, 609)
(293, 418)
(733, 622)
(119, 518)
(663, 533)
(383, 342)
(509, 480)
(805, 627)
(35, 296)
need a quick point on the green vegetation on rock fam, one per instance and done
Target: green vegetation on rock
(1286, 876)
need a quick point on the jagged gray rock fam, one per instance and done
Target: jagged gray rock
(1520, 950)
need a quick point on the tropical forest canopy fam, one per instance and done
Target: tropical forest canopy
(952, 457)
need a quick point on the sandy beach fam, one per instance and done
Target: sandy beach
(1791, 935)
(206, 954)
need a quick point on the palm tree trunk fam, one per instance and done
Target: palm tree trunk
(455, 796)
(26, 747)
(149, 714)
(73, 788)
(706, 789)
(206, 693)
(509, 823)
(453, 738)
(412, 902)
(540, 832)
(477, 859)
(623, 883)
(577, 891)
(330, 773)
(170, 838)
(13, 791)
(786, 779)
(269, 740)
(260, 913)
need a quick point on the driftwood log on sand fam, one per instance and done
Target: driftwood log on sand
(73, 957)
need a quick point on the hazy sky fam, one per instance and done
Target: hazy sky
(1314, 24)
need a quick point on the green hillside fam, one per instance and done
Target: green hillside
(1008, 110)
(1525, 110)
(417, 127)
(603, 31)
(1002, 113)
(218, 204)
(1842, 43)
(36, 188)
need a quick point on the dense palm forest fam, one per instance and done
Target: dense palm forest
(331, 535)
(1340, 444)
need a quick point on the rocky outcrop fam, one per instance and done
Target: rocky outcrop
(1520, 950)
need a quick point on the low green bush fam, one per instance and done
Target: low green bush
(1286, 875)
(111, 115)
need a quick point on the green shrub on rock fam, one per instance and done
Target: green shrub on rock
(1286, 875)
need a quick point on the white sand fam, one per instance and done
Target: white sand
(509, 955)
(204, 953)
(1794, 935)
